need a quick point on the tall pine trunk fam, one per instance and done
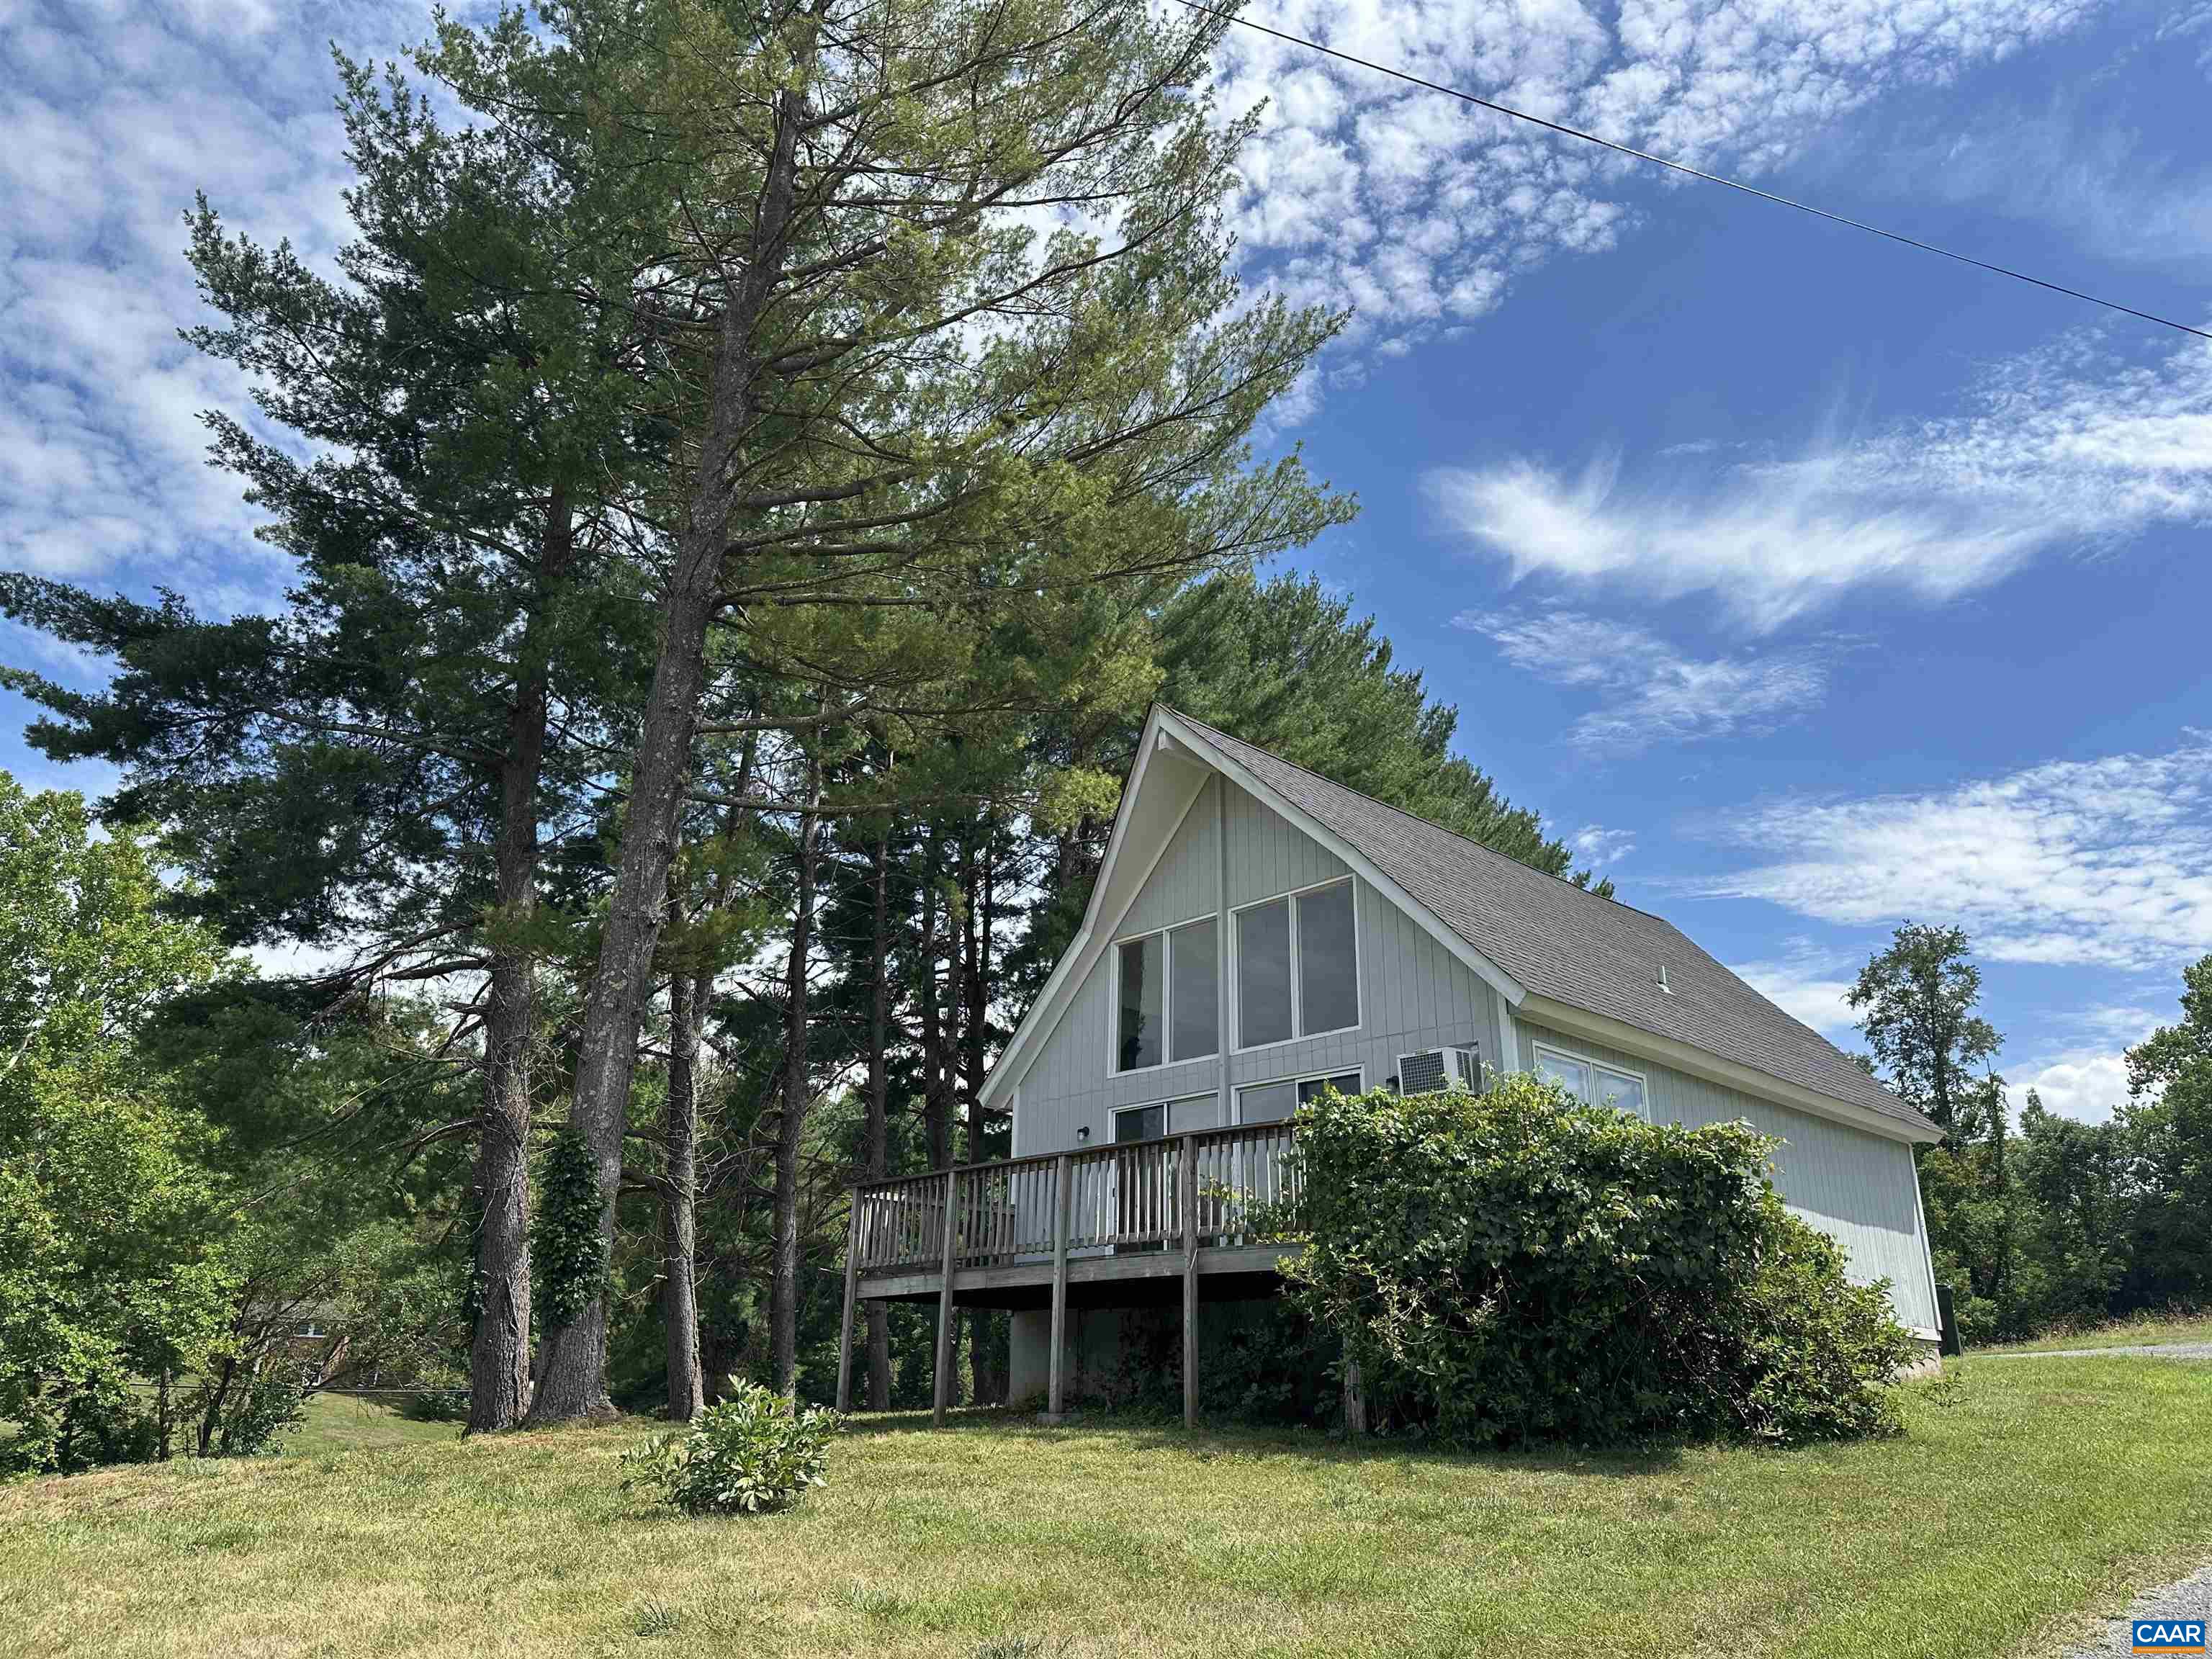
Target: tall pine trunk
(791, 1129)
(572, 1378)
(937, 1116)
(499, 1347)
(679, 1233)
(878, 1126)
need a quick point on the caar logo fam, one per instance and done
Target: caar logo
(2169, 1635)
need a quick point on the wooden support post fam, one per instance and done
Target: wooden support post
(1355, 1398)
(852, 1284)
(1186, 1191)
(943, 1376)
(1063, 1179)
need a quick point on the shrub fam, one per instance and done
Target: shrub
(751, 1452)
(1513, 1267)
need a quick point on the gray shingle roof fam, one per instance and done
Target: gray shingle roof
(1560, 942)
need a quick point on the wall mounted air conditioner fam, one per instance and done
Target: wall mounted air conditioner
(1431, 1069)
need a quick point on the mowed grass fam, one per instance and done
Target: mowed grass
(2139, 1330)
(2043, 1493)
(337, 1423)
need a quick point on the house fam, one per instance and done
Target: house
(1258, 932)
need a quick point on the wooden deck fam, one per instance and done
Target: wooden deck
(1119, 1222)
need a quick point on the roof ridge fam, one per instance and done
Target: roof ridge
(1428, 824)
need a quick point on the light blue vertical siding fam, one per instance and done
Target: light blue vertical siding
(1861, 1189)
(1413, 993)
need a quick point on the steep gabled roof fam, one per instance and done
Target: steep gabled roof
(1561, 943)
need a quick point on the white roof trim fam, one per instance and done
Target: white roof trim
(1044, 1012)
(1483, 968)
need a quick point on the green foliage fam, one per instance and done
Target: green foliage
(567, 1248)
(2060, 1224)
(112, 1272)
(1514, 1268)
(1812, 1342)
(1917, 1000)
(1285, 665)
(751, 1452)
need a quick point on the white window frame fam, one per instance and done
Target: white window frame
(1167, 1000)
(1299, 1034)
(1643, 1081)
(1236, 1095)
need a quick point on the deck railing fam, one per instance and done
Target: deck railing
(1212, 1185)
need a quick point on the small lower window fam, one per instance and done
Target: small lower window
(1592, 1084)
(1271, 1103)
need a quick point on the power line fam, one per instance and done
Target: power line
(1683, 167)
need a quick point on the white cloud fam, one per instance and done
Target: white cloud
(2059, 447)
(1421, 211)
(2087, 1077)
(2104, 862)
(2085, 1086)
(1648, 692)
(1594, 844)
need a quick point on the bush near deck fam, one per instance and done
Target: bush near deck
(1513, 1268)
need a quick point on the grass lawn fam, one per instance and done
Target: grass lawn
(337, 1423)
(2043, 1494)
(2119, 1334)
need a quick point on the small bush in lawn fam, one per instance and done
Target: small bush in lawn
(751, 1452)
(1513, 1267)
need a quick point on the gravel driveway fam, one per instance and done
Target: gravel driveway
(2189, 1599)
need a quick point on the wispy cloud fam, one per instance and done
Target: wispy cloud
(1808, 984)
(2104, 862)
(1648, 692)
(1595, 844)
(2058, 447)
(115, 114)
(1422, 212)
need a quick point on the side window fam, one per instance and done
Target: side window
(1345, 1083)
(1572, 1074)
(1592, 1084)
(1297, 966)
(1138, 1031)
(1267, 1102)
(1140, 1124)
(1271, 1103)
(1194, 975)
(1329, 967)
(1167, 997)
(1263, 973)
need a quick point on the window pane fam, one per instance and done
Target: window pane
(1137, 1041)
(1569, 1074)
(1194, 975)
(1328, 982)
(1193, 1112)
(1619, 1091)
(1345, 1083)
(1270, 1102)
(1141, 1123)
(1263, 973)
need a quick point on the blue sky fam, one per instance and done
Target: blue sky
(1809, 582)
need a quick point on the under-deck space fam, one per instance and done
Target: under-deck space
(1191, 1218)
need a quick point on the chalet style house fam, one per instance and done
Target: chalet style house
(1258, 933)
